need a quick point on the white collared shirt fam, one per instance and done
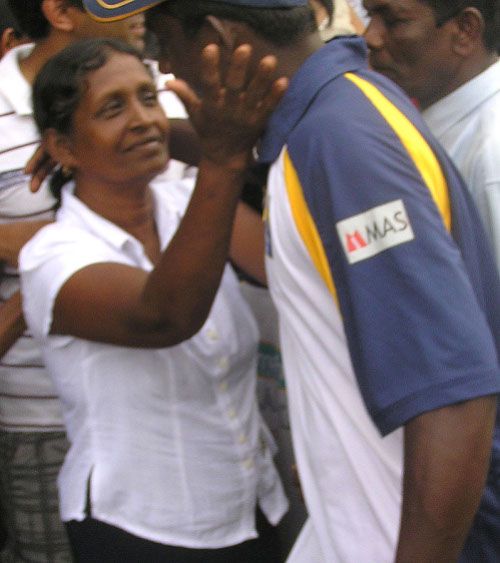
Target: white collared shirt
(467, 124)
(171, 438)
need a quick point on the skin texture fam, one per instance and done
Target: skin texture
(446, 450)
(447, 455)
(128, 306)
(426, 59)
(120, 131)
(407, 47)
(11, 322)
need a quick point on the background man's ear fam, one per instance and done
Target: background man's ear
(58, 14)
(7, 40)
(59, 148)
(470, 30)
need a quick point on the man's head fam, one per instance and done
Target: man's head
(184, 27)
(10, 32)
(38, 18)
(431, 47)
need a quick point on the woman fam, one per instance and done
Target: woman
(154, 364)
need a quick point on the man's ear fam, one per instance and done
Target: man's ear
(57, 14)
(470, 30)
(224, 31)
(58, 146)
(7, 40)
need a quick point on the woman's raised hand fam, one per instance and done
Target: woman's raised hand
(232, 108)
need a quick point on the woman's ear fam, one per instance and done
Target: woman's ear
(58, 146)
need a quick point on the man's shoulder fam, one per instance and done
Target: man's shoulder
(356, 117)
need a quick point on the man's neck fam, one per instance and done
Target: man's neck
(43, 50)
(467, 72)
(290, 57)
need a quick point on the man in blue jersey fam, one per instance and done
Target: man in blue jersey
(388, 296)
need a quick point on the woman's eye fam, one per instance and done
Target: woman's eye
(110, 109)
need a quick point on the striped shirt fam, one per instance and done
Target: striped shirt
(28, 400)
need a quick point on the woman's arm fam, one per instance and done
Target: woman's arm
(124, 305)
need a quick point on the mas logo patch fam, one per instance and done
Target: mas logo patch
(374, 231)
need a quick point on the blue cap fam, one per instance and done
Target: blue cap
(108, 10)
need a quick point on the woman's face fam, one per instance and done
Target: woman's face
(120, 131)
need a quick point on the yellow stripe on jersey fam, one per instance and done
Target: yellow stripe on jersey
(306, 226)
(416, 146)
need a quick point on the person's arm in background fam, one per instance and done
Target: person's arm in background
(13, 236)
(447, 455)
(12, 323)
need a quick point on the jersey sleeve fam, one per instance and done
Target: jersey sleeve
(417, 336)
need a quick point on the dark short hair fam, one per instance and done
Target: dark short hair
(30, 17)
(277, 25)
(445, 9)
(7, 19)
(61, 82)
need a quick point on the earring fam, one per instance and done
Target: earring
(66, 171)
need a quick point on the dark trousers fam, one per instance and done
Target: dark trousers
(93, 541)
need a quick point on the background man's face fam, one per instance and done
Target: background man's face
(407, 46)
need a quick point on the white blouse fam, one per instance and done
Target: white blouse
(171, 439)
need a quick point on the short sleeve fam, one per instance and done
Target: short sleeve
(417, 336)
(47, 261)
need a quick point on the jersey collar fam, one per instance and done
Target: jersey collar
(341, 55)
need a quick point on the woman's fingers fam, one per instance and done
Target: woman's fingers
(39, 166)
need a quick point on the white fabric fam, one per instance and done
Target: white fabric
(174, 109)
(28, 400)
(341, 22)
(357, 6)
(467, 124)
(306, 548)
(359, 520)
(172, 438)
